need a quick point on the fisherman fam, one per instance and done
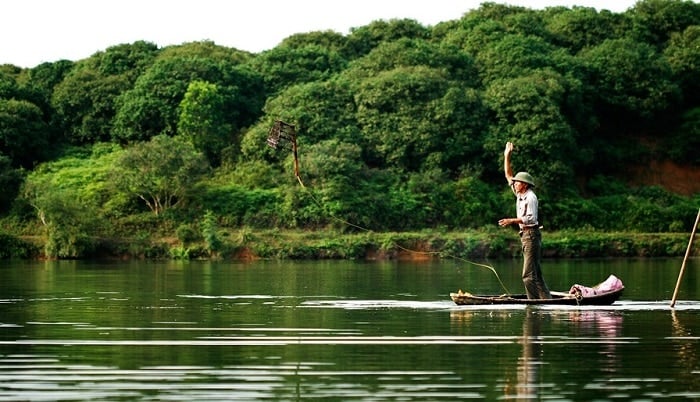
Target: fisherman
(530, 236)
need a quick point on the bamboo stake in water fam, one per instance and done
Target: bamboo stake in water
(687, 252)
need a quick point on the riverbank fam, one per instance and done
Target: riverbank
(247, 244)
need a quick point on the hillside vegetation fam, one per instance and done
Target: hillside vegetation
(147, 151)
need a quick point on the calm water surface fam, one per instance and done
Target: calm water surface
(346, 331)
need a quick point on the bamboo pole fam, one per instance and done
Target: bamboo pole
(687, 252)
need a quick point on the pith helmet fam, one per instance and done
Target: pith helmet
(524, 177)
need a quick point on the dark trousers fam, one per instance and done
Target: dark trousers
(535, 287)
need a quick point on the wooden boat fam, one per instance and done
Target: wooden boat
(603, 294)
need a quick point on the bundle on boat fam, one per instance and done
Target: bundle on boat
(602, 294)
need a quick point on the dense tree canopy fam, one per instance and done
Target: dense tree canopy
(398, 125)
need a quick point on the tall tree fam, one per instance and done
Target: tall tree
(202, 120)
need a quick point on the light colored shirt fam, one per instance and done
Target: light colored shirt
(526, 208)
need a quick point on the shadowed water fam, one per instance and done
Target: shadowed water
(342, 331)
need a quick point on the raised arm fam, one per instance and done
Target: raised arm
(506, 162)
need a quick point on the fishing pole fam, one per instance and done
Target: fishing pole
(282, 133)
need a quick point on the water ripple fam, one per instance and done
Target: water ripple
(322, 340)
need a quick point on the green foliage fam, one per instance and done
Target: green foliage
(69, 225)
(124, 59)
(319, 110)
(179, 253)
(683, 55)
(253, 174)
(202, 120)
(411, 119)
(13, 247)
(238, 205)
(399, 127)
(161, 172)
(84, 104)
(67, 196)
(84, 101)
(205, 49)
(516, 55)
(328, 39)
(477, 204)
(655, 20)
(186, 234)
(630, 77)
(210, 232)
(363, 39)
(407, 52)
(579, 28)
(10, 181)
(84, 173)
(23, 132)
(528, 113)
(285, 66)
(151, 107)
(681, 146)
(38, 85)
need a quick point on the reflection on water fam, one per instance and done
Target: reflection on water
(357, 332)
(529, 361)
(588, 326)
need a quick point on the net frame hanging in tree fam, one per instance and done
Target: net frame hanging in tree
(281, 134)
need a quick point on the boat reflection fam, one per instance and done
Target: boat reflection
(607, 325)
(542, 327)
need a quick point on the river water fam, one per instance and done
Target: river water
(341, 330)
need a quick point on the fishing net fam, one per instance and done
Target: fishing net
(282, 134)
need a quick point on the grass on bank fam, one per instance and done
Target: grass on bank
(249, 244)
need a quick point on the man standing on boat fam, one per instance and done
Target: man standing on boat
(530, 236)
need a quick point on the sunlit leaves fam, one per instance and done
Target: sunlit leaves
(365, 38)
(72, 197)
(655, 20)
(202, 120)
(159, 172)
(582, 27)
(285, 66)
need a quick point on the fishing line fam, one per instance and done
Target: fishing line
(282, 133)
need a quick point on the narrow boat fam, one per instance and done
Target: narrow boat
(602, 294)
